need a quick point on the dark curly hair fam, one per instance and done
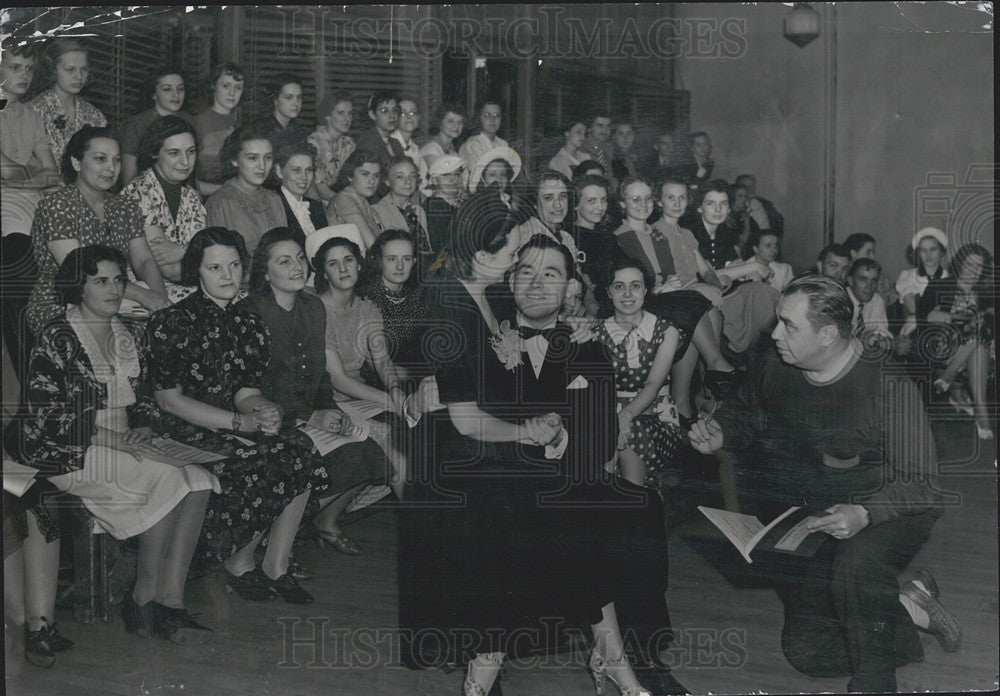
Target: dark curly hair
(157, 133)
(77, 146)
(195, 253)
(319, 260)
(80, 264)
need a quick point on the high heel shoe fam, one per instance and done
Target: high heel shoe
(139, 620)
(339, 542)
(599, 673)
(177, 626)
(253, 585)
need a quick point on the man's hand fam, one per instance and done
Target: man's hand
(544, 430)
(706, 435)
(843, 522)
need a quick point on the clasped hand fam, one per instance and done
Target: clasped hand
(265, 418)
(334, 421)
(544, 430)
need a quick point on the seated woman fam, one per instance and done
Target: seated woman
(216, 123)
(492, 450)
(365, 381)
(500, 166)
(209, 356)
(281, 124)
(765, 247)
(960, 316)
(748, 309)
(167, 92)
(331, 141)
(928, 249)
(642, 348)
(397, 211)
(449, 123)
(295, 170)
(447, 192)
(357, 183)
(242, 203)
(675, 297)
(84, 212)
(571, 153)
(64, 68)
(593, 231)
(392, 283)
(89, 418)
(171, 209)
(296, 378)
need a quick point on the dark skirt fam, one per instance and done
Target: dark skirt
(498, 563)
(682, 308)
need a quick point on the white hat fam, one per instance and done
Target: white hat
(502, 153)
(347, 230)
(445, 164)
(930, 232)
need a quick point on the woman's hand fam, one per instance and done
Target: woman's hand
(151, 300)
(909, 326)
(583, 328)
(938, 316)
(166, 252)
(266, 418)
(624, 428)
(397, 397)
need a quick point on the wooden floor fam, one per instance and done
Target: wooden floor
(728, 636)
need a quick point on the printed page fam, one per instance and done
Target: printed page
(17, 478)
(739, 529)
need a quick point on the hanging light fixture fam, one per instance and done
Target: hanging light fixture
(802, 24)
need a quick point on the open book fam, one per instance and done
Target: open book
(787, 533)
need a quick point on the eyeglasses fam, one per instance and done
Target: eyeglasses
(409, 114)
(386, 110)
(641, 199)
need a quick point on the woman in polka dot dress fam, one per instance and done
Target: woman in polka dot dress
(642, 347)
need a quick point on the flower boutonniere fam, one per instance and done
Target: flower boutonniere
(60, 122)
(508, 345)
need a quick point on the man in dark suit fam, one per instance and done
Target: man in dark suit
(572, 386)
(383, 110)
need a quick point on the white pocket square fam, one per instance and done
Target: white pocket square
(579, 383)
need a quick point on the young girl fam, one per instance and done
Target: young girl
(642, 347)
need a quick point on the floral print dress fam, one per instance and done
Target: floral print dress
(148, 195)
(212, 353)
(656, 432)
(59, 126)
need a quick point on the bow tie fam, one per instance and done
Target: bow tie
(529, 333)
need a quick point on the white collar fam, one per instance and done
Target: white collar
(644, 330)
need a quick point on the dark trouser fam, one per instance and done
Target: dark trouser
(843, 616)
(17, 278)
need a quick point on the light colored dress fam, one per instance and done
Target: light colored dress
(126, 495)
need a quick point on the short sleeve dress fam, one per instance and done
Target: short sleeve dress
(66, 215)
(656, 433)
(211, 353)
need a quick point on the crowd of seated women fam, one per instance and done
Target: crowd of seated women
(241, 285)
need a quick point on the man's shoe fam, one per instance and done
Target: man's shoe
(943, 625)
